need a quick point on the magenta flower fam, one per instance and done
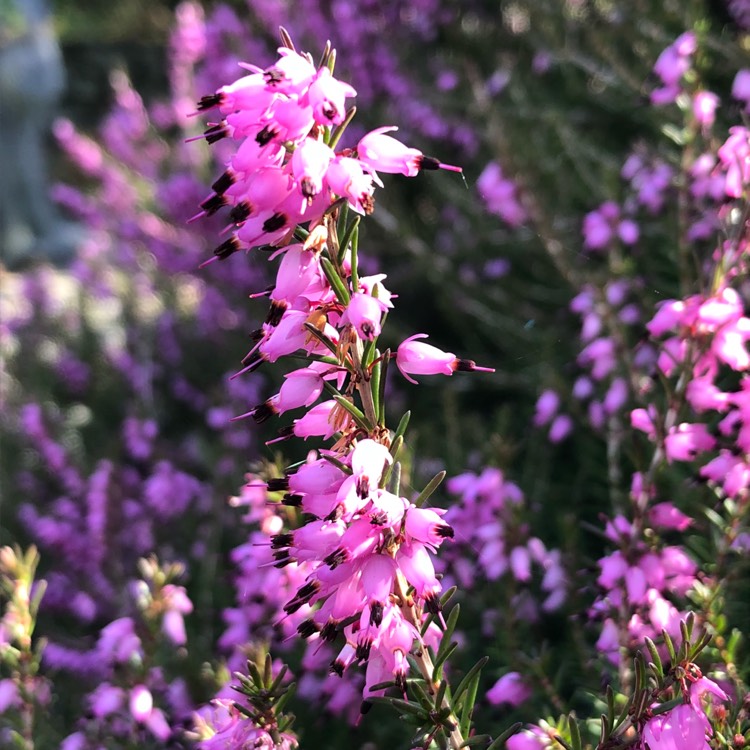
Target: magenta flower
(417, 358)
(679, 729)
(510, 689)
(326, 96)
(386, 154)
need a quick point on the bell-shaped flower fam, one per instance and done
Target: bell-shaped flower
(327, 96)
(685, 441)
(310, 162)
(301, 388)
(414, 357)
(364, 313)
(384, 153)
(426, 525)
(290, 74)
(348, 178)
(318, 422)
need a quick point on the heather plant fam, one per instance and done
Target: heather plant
(595, 544)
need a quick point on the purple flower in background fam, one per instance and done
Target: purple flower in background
(500, 195)
(511, 689)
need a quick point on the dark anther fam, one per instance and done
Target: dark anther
(240, 212)
(213, 203)
(376, 613)
(277, 221)
(231, 246)
(276, 312)
(207, 102)
(279, 541)
(428, 162)
(263, 412)
(223, 183)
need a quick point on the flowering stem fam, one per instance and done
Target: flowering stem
(424, 662)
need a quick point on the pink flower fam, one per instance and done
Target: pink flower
(546, 407)
(704, 108)
(734, 155)
(350, 179)
(666, 516)
(679, 729)
(310, 162)
(685, 441)
(500, 195)
(510, 689)
(364, 313)
(417, 358)
(386, 154)
(326, 96)
(561, 427)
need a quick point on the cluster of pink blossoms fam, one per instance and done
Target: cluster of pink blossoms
(285, 171)
(705, 335)
(366, 550)
(641, 580)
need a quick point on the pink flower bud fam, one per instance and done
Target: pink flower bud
(666, 516)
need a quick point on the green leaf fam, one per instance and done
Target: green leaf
(432, 485)
(477, 739)
(464, 684)
(337, 284)
(506, 735)
(410, 708)
(276, 684)
(339, 131)
(357, 415)
(284, 699)
(422, 696)
(468, 704)
(310, 328)
(450, 624)
(381, 385)
(268, 671)
(374, 385)
(354, 262)
(575, 734)
(401, 429)
(394, 480)
(331, 460)
(561, 741)
(441, 691)
(655, 658)
(442, 657)
(670, 647)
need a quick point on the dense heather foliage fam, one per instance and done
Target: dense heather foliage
(594, 521)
